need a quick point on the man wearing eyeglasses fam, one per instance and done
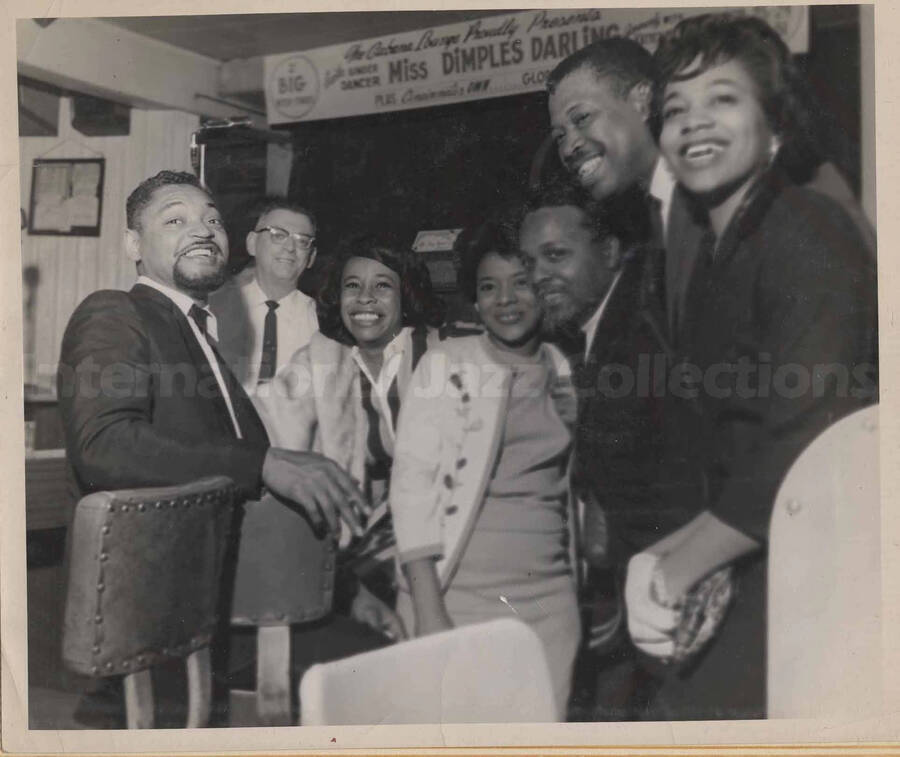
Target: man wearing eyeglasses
(263, 317)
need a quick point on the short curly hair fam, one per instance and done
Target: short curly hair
(621, 61)
(420, 306)
(142, 195)
(624, 215)
(784, 96)
(499, 234)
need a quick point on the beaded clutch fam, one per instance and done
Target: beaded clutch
(701, 612)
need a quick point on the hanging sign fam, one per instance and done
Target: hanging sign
(492, 56)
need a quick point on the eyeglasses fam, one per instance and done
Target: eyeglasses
(280, 236)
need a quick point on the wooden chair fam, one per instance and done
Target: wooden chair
(493, 672)
(284, 575)
(824, 606)
(144, 578)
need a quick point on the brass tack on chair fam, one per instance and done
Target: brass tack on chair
(140, 659)
(96, 649)
(105, 530)
(109, 666)
(101, 586)
(126, 665)
(124, 508)
(98, 618)
(111, 508)
(95, 670)
(173, 503)
(104, 556)
(158, 505)
(141, 507)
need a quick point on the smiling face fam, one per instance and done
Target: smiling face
(507, 303)
(371, 308)
(571, 268)
(715, 134)
(278, 266)
(181, 242)
(602, 137)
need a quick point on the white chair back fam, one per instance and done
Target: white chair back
(493, 672)
(824, 616)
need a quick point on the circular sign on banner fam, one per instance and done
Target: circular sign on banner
(294, 86)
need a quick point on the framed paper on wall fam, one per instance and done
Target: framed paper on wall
(66, 197)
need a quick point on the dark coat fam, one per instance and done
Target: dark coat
(789, 296)
(139, 403)
(620, 405)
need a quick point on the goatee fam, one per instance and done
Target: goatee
(201, 283)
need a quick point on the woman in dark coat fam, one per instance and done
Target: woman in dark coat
(777, 340)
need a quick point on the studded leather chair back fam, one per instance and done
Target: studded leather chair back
(144, 574)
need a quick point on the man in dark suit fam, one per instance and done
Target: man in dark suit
(594, 274)
(146, 399)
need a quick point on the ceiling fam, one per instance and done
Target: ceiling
(227, 37)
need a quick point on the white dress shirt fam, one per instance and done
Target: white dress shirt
(184, 303)
(590, 328)
(241, 309)
(662, 187)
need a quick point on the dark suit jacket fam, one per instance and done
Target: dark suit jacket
(139, 402)
(620, 426)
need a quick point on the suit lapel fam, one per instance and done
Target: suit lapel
(207, 385)
(611, 327)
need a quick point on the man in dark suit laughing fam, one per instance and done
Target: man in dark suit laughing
(146, 399)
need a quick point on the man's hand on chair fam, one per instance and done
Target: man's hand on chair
(317, 484)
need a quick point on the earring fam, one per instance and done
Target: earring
(774, 147)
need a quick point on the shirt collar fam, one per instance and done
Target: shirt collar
(662, 183)
(590, 328)
(397, 346)
(256, 296)
(183, 302)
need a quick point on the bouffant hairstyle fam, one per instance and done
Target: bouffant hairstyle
(498, 234)
(420, 306)
(716, 38)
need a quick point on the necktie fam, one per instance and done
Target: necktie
(270, 343)
(200, 317)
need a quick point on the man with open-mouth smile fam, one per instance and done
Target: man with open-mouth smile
(146, 399)
(599, 104)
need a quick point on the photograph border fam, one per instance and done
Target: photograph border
(855, 733)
